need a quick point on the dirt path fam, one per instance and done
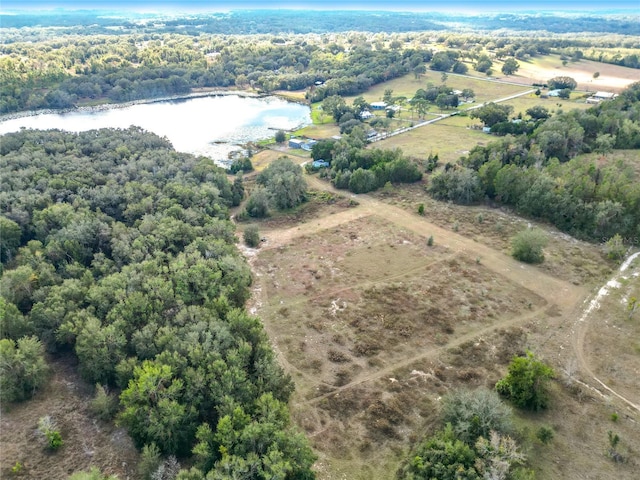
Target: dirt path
(582, 326)
(456, 342)
(563, 294)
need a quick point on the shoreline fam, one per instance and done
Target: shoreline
(142, 101)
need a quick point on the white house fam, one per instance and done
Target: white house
(601, 96)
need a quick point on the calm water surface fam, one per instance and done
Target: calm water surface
(209, 126)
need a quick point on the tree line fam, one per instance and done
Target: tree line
(543, 174)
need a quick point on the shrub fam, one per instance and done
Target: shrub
(421, 209)
(104, 405)
(149, 461)
(544, 434)
(48, 428)
(614, 248)
(442, 456)
(22, 368)
(527, 245)
(430, 241)
(476, 413)
(526, 382)
(251, 236)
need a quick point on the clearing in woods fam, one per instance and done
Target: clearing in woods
(374, 325)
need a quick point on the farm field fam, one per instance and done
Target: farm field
(540, 69)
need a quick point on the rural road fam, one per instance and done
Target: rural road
(582, 325)
(384, 136)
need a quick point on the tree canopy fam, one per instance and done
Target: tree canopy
(127, 258)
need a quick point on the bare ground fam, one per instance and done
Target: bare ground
(87, 441)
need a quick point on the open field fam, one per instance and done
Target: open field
(449, 138)
(407, 85)
(521, 104)
(375, 326)
(540, 69)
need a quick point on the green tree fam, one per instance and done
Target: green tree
(284, 183)
(251, 236)
(99, 349)
(260, 446)
(492, 113)
(10, 234)
(527, 246)
(362, 181)
(280, 136)
(441, 62)
(538, 112)
(153, 412)
(467, 93)
(237, 190)
(562, 82)
(23, 369)
(441, 457)
(526, 382)
(510, 66)
(335, 106)
(483, 64)
(13, 324)
(387, 97)
(258, 203)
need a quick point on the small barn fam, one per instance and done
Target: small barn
(296, 143)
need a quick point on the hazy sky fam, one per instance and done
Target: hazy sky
(406, 5)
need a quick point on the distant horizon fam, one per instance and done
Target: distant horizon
(212, 6)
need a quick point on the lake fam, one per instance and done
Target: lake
(212, 126)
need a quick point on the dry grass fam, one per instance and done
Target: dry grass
(374, 325)
(87, 441)
(540, 69)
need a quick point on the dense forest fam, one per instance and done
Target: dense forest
(65, 66)
(310, 21)
(119, 249)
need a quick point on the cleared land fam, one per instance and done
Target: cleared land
(540, 69)
(449, 138)
(374, 326)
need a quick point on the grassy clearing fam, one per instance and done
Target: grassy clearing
(87, 441)
(326, 130)
(339, 316)
(449, 138)
(521, 104)
(407, 85)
